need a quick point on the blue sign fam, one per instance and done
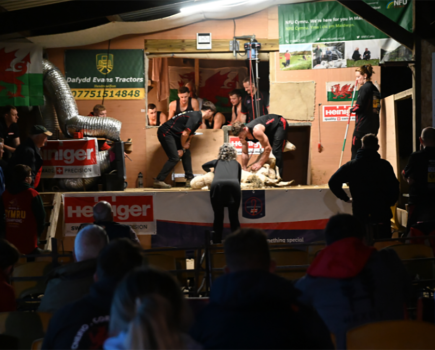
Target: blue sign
(254, 204)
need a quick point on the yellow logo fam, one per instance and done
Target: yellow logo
(105, 63)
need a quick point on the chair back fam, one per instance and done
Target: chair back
(290, 257)
(30, 269)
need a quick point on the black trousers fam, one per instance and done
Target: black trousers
(356, 144)
(278, 143)
(171, 145)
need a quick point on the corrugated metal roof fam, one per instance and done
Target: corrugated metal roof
(14, 5)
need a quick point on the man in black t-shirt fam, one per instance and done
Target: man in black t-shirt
(175, 136)
(9, 131)
(247, 105)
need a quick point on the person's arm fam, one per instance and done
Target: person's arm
(264, 141)
(172, 107)
(233, 116)
(163, 118)
(410, 167)
(39, 212)
(195, 104)
(266, 101)
(208, 165)
(245, 153)
(239, 114)
(243, 112)
(219, 120)
(392, 185)
(337, 180)
(239, 173)
(185, 139)
(133, 236)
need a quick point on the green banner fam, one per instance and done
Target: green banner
(112, 74)
(317, 22)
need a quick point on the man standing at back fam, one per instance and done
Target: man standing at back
(373, 186)
(9, 131)
(420, 174)
(252, 308)
(249, 112)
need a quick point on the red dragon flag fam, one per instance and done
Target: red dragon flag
(21, 75)
(340, 91)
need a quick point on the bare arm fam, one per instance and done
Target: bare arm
(219, 120)
(259, 134)
(163, 118)
(233, 116)
(15, 142)
(185, 139)
(245, 154)
(195, 104)
(172, 107)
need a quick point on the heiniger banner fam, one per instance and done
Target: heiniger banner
(70, 159)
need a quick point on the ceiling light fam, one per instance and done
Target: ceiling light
(219, 5)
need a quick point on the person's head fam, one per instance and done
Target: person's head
(118, 258)
(287, 51)
(89, 242)
(367, 49)
(9, 256)
(235, 97)
(364, 73)
(22, 174)
(357, 49)
(138, 285)
(11, 114)
(39, 135)
(239, 129)
(103, 212)
(343, 226)
(152, 111)
(227, 152)
(248, 249)
(370, 141)
(184, 94)
(2, 147)
(208, 110)
(427, 138)
(192, 89)
(154, 326)
(99, 111)
(249, 86)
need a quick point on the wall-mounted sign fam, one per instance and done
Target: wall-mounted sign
(336, 113)
(203, 41)
(112, 74)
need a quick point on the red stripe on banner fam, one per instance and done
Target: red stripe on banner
(297, 225)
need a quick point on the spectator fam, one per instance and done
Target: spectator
(236, 102)
(184, 103)
(131, 296)
(328, 54)
(351, 284)
(367, 54)
(9, 256)
(287, 58)
(356, 55)
(373, 186)
(217, 122)
(103, 216)
(3, 167)
(155, 118)
(28, 153)
(193, 94)
(248, 105)
(9, 131)
(420, 174)
(84, 324)
(318, 55)
(70, 282)
(98, 111)
(251, 308)
(22, 214)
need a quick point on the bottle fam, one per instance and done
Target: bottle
(140, 180)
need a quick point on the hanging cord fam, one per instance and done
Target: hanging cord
(250, 83)
(107, 66)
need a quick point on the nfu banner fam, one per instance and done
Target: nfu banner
(70, 159)
(253, 148)
(134, 209)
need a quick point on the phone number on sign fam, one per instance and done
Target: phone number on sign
(108, 94)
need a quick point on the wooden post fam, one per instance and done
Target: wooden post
(197, 76)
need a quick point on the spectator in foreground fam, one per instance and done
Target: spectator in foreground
(84, 324)
(70, 282)
(142, 290)
(373, 186)
(22, 213)
(350, 284)
(3, 167)
(103, 216)
(9, 256)
(252, 308)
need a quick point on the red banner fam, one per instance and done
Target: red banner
(336, 113)
(253, 148)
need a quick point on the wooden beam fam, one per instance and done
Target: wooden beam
(189, 45)
(381, 22)
(197, 76)
(403, 95)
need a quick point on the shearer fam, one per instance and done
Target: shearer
(175, 136)
(270, 130)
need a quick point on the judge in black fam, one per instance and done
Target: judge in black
(367, 107)
(175, 136)
(225, 189)
(270, 130)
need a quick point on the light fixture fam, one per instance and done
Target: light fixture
(219, 5)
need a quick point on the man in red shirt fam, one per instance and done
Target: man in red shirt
(22, 214)
(287, 58)
(9, 255)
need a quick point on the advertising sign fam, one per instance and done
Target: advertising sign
(253, 148)
(70, 159)
(254, 204)
(337, 113)
(114, 74)
(134, 209)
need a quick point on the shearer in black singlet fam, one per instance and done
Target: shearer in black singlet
(185, 103)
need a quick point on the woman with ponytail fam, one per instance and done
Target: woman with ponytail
(367, 107)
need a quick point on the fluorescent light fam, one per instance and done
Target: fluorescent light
(219, 5)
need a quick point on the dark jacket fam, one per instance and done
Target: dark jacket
(116, 230)
(26, 153)
(68, 283)
(82, 324)
(350, 284)
(356, 55)
(367, 109)
(258, 310)
(7, 299)
(373, 185)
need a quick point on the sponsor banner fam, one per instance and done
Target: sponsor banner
(337, 113)
(134, 209)
(253, 204)
(340, 91)
(214, 84)
(114, 74)
(319, 35)
(253, 148)
(21, 82)
(70, 159)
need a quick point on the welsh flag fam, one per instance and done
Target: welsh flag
(341, 91)
(21, 82)
(214, 83)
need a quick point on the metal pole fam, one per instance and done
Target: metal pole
(257, 85)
